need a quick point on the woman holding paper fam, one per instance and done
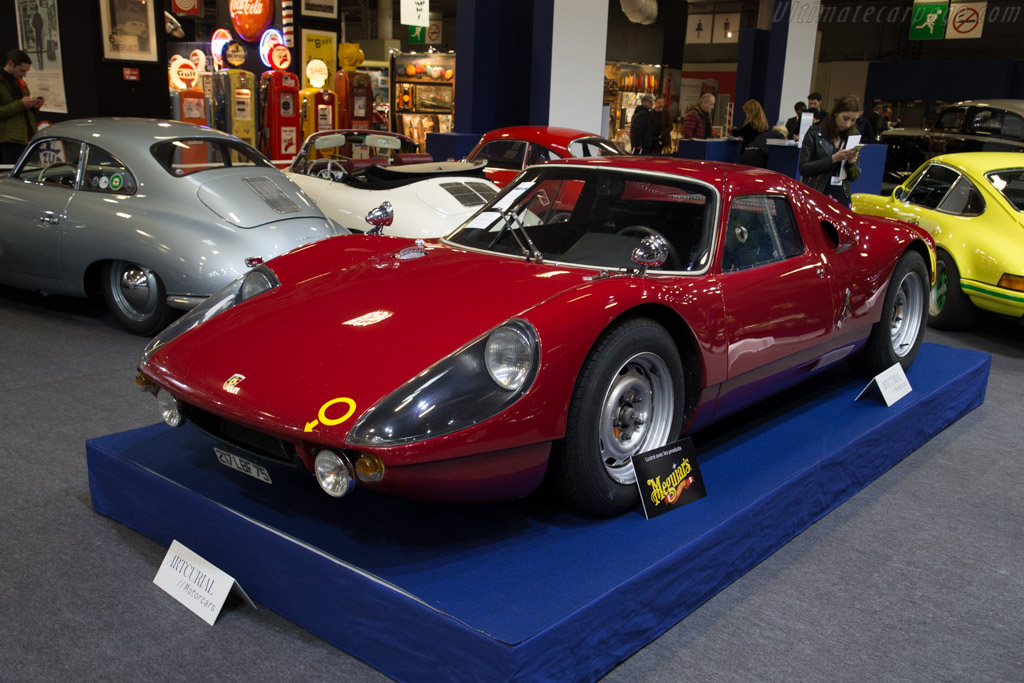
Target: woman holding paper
(828, 157)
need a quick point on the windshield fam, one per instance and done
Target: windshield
(595, 217)
(1010, 184)
(593, 147)
(381, 148)
(186, 156)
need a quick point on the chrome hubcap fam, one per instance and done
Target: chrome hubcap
(636, 414)
(906, 314)
(135, 290)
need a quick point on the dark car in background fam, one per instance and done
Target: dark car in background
(968, 126)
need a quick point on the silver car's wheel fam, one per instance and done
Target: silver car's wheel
(907, 311)
(136, 297)
(628, 399)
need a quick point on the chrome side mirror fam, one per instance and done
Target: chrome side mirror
(652, 253)
(380, 218)
(899, 193)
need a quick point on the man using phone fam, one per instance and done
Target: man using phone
(17, 107)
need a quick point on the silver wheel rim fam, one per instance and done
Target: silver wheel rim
(636, 414)
(134, 289)
(906, 314)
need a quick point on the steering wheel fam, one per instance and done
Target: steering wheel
(42, 172)
(329, 169)
(672, 262)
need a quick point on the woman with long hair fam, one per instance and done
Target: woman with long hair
(827, 164)
(755, 123)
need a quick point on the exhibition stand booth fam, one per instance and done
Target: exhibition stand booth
(525, 590)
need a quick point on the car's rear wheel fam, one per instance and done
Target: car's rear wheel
(948, 307)
(136, 297)
(897, 337)
(628, 400)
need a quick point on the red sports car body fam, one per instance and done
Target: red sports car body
(509, 150)
(594, 310)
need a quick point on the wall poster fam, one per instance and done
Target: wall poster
(39, 36)
(128, 29)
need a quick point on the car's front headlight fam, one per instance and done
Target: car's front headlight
(258, 280)
(471, 385)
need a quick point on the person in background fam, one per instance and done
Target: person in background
(640, 126)
(824, 152)
(17, 107)
(756, 153)
(755, 123)
(866, 130)
(891, 121)
(793, 124)
(814, 106)
(877, 119)
(697, 122)
(661, 127)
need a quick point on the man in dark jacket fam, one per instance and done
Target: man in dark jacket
(640, 126)
(17, 107)
(697, 122)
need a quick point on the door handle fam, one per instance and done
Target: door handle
(821, 271)
(54, 220)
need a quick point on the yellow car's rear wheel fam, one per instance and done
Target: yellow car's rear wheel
(948, 307)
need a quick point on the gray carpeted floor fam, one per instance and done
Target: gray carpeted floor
(920, 577)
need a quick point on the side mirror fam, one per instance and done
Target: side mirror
(380, 218)
(899, 193)
(842, 237)
(652, 253)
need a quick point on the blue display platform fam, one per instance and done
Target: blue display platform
(525, 590)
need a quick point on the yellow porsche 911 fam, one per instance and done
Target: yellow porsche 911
(973, 206)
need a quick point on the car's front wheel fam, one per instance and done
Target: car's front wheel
(628, 400)
(136, 297)
(897, 337)
(948, 307)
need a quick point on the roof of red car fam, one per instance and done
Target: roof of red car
(708, 171)
(549, 136)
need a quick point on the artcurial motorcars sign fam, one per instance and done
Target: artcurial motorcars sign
(251, 17)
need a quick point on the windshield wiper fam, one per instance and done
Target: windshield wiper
(512, 218)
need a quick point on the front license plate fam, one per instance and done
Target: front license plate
(242, 465)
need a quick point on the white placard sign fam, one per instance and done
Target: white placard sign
(415, 13)
(195, 583)
(893, 384)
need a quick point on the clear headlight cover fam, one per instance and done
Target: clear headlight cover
(256, 281)
(471, 385)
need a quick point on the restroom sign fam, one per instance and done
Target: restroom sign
(966, 20)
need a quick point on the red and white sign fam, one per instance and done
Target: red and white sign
(193, 7)
(220, 38)
(251, 17)
(966, 20)
(280, 57)
(130, 73)
(434, 31)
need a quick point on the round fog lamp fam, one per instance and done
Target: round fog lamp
(169, 409)
(334, 472)
(369, 468)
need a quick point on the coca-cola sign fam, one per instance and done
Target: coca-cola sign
(251, 17)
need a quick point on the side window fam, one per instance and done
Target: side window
(104, 173)
(963, 200)
(951, 120)
(52, 162)
(507, 154)
(932, 186)
(998, 123)
(761, 229)
(539, 154)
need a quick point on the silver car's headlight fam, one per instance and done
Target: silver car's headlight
(471, 385)
(256, 281)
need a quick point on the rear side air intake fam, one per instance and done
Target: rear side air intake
(273, 195)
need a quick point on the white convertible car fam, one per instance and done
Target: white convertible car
(365, 179)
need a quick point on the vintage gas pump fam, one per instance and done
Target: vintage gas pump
(279, 114)
(318, 104)
(233, 94)
(352, 88)
(188, 103)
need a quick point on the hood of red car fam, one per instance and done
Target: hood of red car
(354, 318)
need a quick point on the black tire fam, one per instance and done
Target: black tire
(136, 297)
(948, 307)
(628, 399)
(896, 337)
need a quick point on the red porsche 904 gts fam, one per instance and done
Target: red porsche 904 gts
(594, 310)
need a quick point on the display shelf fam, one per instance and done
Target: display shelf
(524, 589)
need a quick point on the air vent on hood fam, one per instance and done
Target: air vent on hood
(274, 196)
(471, 194)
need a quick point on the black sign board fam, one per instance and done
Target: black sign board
(668, 477)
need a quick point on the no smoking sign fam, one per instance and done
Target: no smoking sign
(966, 20)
